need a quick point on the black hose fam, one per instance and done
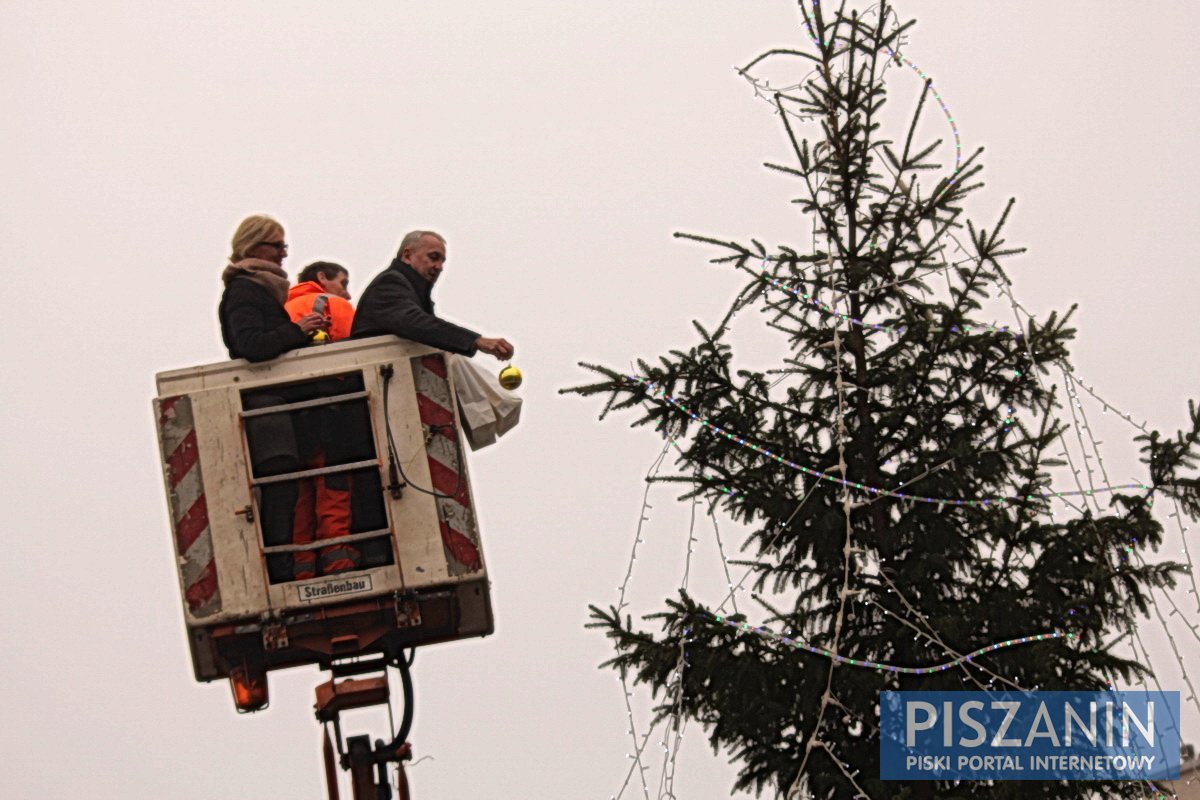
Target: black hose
(401, 664)
(394, 465)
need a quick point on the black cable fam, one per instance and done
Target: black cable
(394, 485)
(402, 732)
(394, 467)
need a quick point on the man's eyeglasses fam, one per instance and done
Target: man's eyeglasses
(276, 245)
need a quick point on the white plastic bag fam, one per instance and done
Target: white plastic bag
(487, 410)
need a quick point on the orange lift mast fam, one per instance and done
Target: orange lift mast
(367, 764)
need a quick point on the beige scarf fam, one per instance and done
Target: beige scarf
(266, 274)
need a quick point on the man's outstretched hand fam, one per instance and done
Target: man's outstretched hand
(500, 348)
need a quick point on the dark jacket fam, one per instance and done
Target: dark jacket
(398, 302)
(254, 326)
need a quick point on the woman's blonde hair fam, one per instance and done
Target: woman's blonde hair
(252, 231)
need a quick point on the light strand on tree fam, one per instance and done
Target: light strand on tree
(844, 767)
(1189, 566)
(932, 637)
(1141, 426)
(1018, 309)
(1024, 340)
(1095, 445)
(1073, 406)
(1006, 287)
(931, 633)
(666, 786)
(1132, 631)
(1069, 380)
(928, 82)
(1195, 700)
(1087, 428)
(622, 677)
(874, 490)
(729, 597)
(642, 519)
(1084, 428)
(882, 667)
(825, 258)
(1193, 629)
(896, 330)
(1183, 529)
(764, 91)
(1137, 643)
(724, 560)
(945, 110)
(847, 558)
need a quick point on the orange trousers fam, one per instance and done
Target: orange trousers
(322, 512)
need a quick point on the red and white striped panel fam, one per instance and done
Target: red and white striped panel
(460, 534)
(189, 509)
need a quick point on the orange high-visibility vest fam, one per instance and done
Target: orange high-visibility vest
(341, 314)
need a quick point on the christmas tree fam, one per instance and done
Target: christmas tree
(898, 473)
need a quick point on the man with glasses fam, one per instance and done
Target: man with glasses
(398, 301)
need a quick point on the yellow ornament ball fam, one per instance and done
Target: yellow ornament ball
(510, 377)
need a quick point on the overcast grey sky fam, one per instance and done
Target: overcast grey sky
(557, 144)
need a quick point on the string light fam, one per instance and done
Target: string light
(928, 82)
(636, 756)
(847, 551)
(881, 667)
(1070, 381)
(1128, 418)
(1183, 529)
(845, 770)
(895, 330)
(945, 108)
(931, 636)
(874, 490)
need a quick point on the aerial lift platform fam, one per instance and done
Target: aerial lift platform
(237, 440)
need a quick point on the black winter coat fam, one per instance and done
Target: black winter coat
(398, 301)
(254, 325)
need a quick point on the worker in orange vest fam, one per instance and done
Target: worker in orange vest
(331, 281)
(323, 505)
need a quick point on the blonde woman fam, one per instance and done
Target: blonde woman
(254, 324)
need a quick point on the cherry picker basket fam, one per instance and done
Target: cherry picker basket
(321, 508)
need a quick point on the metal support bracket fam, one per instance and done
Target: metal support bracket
(275, 636)
(408, 611)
